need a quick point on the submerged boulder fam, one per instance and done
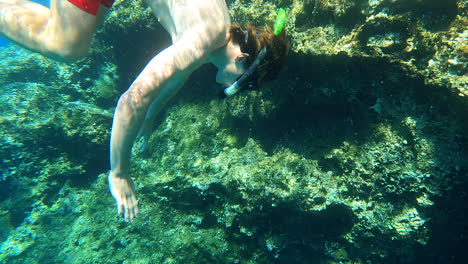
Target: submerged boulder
(356, 153)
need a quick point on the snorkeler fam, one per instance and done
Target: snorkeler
(201, 33)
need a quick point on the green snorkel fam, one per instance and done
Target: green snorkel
(237, 85)
(279, 22)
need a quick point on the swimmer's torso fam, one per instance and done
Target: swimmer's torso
(179, 17)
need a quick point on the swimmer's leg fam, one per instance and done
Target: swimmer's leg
(62, 32)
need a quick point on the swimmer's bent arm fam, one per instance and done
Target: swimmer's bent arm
(177, 61)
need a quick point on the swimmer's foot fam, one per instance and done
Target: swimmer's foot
(122, 189)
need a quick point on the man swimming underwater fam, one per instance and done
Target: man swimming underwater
(201, 32)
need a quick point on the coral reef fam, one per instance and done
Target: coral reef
(355, 154)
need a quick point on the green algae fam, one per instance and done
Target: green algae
(353, 155)
(426, 38)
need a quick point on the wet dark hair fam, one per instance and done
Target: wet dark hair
(277, 47)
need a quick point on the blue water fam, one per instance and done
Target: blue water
(4, 41)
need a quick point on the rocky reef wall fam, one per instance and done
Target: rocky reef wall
(356, 153)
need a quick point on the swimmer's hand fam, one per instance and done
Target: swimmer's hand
(122, 189)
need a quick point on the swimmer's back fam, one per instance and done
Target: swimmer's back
(179, 17)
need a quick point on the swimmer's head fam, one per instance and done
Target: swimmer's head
(233, 66)
(243, 50)
(263, 52)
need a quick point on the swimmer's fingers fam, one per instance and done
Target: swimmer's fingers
(136, 210)
(120, 207)
(130, 207)
(122, 190)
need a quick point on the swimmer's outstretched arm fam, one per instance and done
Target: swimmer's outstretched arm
(155, 108)
(62, 32)
(176, 62)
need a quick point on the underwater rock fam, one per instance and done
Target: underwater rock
(355, 154)
(426, 38)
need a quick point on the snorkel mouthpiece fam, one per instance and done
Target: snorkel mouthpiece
(232, 90)
(237, 85)
(279, 22)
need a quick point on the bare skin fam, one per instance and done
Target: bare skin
(200, 34)
(63, 32)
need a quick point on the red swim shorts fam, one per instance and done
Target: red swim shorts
(91, 6)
